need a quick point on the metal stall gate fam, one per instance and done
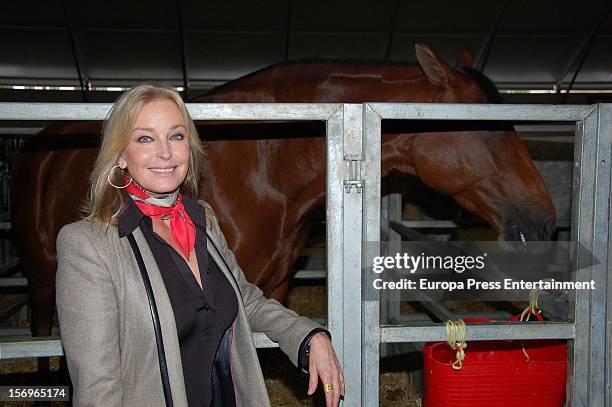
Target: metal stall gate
(589, 376)
(353, 218)
(335, 117)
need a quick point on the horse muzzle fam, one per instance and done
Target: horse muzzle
(527, 225)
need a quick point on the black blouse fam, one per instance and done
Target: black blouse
(202, 314)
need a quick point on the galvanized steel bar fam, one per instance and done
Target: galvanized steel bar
(605, 128)
(481, 331)
(439, 224)
(23, 332)
(31, 347)
(24, 131)
(535, 128)
(198, 111)
(391, 211)
(352, 229)
(553, 129)
(601, 227)
(308, 111)
(262, 111)
(452, 111)
(53, 111)
(583, 232)
(451, 224)
(13, 348)
(577, 365)
(310, 274)
(411, 318)
(262, 341)
(371, 309)
(13, 282)
(334, 204)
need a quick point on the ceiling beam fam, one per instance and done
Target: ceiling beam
(288, 28)
(580, 56)
(179, 15)
(393, 25)
(76, 54)
(485, 50)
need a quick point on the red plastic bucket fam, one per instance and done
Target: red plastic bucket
(496, 374)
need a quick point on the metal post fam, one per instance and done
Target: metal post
(391, 210)
(605, 131)
(601, 220)
(392, 205)
(582, 368)
(334, 201)
(353, 229)
(371, 309)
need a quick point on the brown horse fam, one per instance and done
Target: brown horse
(263, 188)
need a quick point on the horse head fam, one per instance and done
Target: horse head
(487, 170)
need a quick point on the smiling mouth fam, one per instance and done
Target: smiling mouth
(163, 170)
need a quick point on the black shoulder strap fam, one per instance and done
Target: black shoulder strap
(155, 317)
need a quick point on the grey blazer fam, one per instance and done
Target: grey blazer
(106, 326)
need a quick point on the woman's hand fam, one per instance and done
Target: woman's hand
(323, 363)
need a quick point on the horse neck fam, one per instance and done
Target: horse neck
(310, 191)
(396, 154)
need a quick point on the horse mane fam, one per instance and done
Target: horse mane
(481, 79)
(312, 61)
(344, 61)
(485, 84)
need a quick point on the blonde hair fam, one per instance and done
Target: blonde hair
(105, 204)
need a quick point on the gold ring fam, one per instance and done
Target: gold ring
(328, 388)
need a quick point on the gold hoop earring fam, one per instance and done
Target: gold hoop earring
(110, 172)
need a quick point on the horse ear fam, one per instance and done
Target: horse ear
(436, 70)
(464, 60)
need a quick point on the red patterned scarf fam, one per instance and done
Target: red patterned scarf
(181, 226)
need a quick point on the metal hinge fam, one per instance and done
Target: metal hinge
(354, 170)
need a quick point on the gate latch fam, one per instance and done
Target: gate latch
(354, 170)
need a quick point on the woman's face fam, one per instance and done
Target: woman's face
(157, 155)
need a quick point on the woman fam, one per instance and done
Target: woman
(153, 307)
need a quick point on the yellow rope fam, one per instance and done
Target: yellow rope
(456, 331)
(529, 311)
(533, 305)
(456, 340)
